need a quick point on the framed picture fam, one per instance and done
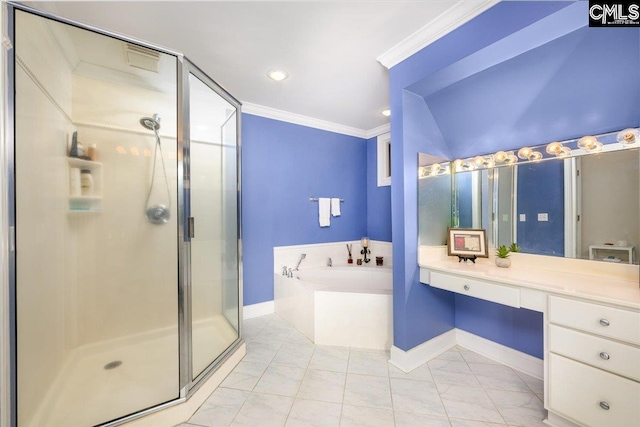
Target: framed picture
(467, 242)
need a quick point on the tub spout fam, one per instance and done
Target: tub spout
(302, 256)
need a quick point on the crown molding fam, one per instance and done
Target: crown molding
(299, 119)
(454, 17)
(382, 129)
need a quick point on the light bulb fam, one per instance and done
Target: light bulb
(524, 153)
(565, 152)
(511, 158)
(364, 242)
(500, 156)
(628, 136)
(554, 148)
(588, 142)
(422, 171)
(478, 160)
(535, 155)
(457, 165)
(277, 75)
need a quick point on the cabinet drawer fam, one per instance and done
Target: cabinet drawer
(477, 289)
(578, 391)
(602, 353)
(597, 319)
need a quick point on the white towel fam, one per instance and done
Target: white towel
(335, 207)
(324, 209)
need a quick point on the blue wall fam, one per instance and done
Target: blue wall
(378, 198)
(541, 190)
(282, 166)
(520, 329)
(421, 312)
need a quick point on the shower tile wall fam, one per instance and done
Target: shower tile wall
(124, 256)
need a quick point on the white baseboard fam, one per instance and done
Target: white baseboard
(507, 356)
(257, 310)
(555, 420)
(421, 354)
(407, 361)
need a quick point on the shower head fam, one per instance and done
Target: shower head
(151, 123)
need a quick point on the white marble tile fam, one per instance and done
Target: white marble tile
(407, 419)
(263, 410)
(421, 373)
(311, 413)
(297, 355)
(356, 416)
(469, 423)
(498, 377)
(220, 408)
(280, 380)
(451, 354)
(452, 372)
(327, 358)
(278, 322)
(470, 403)
(519, 409)
(296, 337)
(261, 352)
(368, 363)
(365, 390)
(244, 376)
(325, 386)
(473, 357)
(536, 385)
(249, 332)
(272, 335)
(416, 396)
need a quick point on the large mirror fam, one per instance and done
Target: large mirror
(583, 206)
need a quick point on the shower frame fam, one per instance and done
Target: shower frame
(188, 385)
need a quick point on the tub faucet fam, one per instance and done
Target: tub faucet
(302, 256)
(329, 262)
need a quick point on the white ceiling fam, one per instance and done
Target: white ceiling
(329, 48)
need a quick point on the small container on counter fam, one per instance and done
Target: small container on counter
(379, 260)
(75, 186)
(86, 182)
(92, 153)
(359, 261)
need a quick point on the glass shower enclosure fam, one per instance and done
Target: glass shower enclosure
(123, 192)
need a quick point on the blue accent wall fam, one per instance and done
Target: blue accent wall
(283, 165)
(378, 198)
(421, 312)
(541, 190)
(520, 329)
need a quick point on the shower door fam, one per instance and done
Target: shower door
(213, 220)
(96, 289)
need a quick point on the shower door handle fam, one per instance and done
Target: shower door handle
(191, 228)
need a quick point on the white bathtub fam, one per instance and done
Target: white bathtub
(344, 306)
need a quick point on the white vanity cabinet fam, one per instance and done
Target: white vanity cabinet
(593, 358)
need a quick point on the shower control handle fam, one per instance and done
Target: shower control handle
(191, 228)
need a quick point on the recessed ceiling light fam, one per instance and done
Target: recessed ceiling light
(386, 112)
(277, 75)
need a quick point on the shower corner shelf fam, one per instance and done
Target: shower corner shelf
(91, 202)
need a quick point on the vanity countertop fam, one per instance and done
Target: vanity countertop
(576, 278)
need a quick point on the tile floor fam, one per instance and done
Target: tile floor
(285, 380)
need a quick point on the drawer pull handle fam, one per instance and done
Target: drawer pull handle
(604, 355)
(466, 287)
(604, 322)
(604, 405)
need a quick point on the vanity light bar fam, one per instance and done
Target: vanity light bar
(627, 138)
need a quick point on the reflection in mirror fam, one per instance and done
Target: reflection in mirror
(585, 206)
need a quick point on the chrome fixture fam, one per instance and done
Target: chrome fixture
(329, 262)
(303, 256)
(159, 213)
(365, 248)
(284, 270)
